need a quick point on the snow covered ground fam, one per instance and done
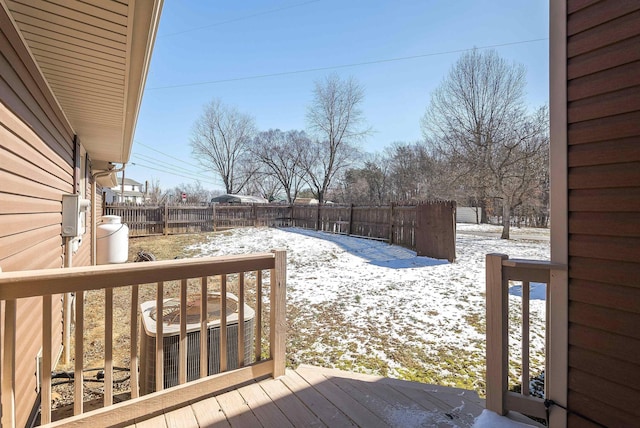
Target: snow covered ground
(366, 306)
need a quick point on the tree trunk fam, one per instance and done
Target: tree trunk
(506, 219)
(483, 211)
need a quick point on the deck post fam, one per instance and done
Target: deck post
(497, 334)
(278, 324)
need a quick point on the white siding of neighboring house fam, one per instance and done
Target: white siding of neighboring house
(132, 194)
(468, 214)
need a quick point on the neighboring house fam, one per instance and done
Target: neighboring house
(131, 194)
(72, 75)
(306, 201)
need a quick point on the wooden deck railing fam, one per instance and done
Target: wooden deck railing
(500, 271)
(184, 278)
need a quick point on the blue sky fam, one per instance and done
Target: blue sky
(208, 49)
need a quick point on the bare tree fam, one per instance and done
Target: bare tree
(196, 194)
(519, 165)
(281, 155)
(367, 184)
(412, 172)
(337, 123)
(478, 121)
(154, 193)
(221, 140)
(265, 185)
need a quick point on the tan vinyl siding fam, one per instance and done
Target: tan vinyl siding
(36, 168)
(603, 92)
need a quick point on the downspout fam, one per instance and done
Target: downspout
(122, 187)
(66, 313)
(68, 262)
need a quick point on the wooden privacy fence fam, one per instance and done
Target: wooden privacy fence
(144, 220)
(428, 227)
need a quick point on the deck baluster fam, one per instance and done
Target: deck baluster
(204, 332)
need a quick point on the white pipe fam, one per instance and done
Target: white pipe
(66, 327)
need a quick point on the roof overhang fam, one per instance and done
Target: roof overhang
(95, 57)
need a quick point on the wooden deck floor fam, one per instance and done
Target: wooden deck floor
(318, 397)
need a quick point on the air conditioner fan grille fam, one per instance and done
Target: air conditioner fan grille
(171, 310)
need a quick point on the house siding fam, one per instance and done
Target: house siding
(603, 135)
(37, 167)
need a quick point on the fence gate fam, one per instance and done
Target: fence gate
(436, 230)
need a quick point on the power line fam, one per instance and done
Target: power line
(241, 18)
(333, 67)
(146, 158)
(172, 157)
(180, 171)
(179, 175)
(171, 169)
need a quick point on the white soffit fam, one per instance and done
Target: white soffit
(95, 56)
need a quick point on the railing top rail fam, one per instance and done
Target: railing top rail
(17, 285)
(532, 264)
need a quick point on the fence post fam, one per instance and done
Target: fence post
(349, 230)
(166, 218)
(278, 321)
(497, 334)
(391, 222)
(254, 215)
(214, 218)
(292, 219)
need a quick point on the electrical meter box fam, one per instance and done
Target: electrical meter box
(74, 215)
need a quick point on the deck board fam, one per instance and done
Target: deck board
(389, 404)
(209, 414)
(318, 397)
(262, 407)
(316, 402)
(237, 410)
(155, 422)
(357, 412)
(290, 405)
(181, 418)
(453, 407)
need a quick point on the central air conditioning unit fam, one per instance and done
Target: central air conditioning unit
(171, 338)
